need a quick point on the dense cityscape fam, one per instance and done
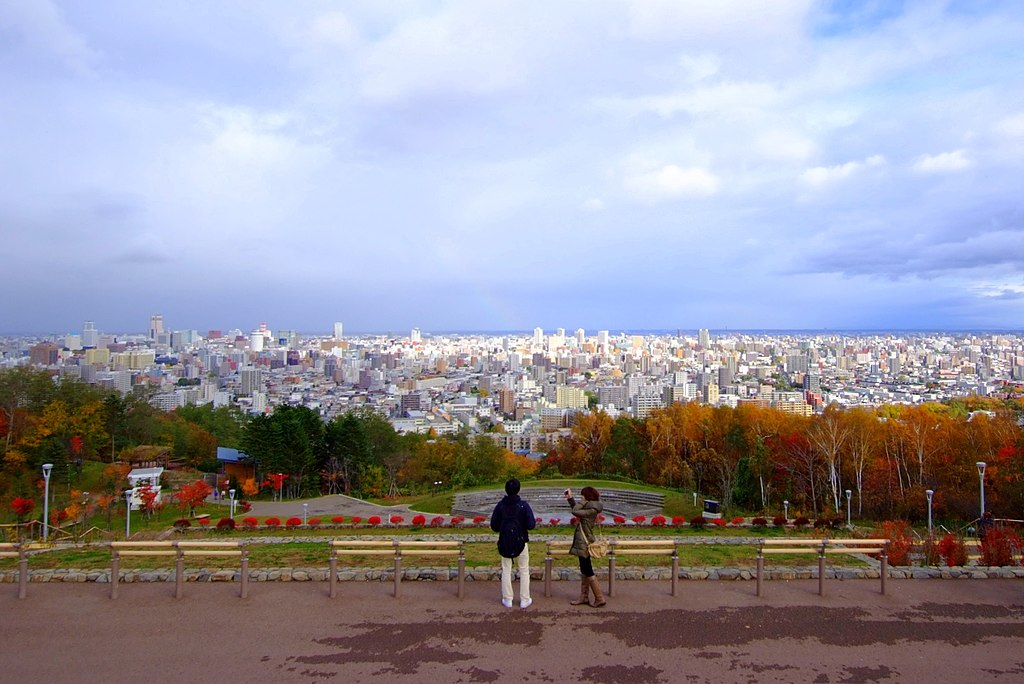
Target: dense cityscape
(525, 389)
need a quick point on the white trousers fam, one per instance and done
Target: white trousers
(523, 561)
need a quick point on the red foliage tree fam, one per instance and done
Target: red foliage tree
(191, 495)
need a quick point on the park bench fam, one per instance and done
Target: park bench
(179, 550)
(11, 550)
(396, 549)
(617, 547)
(822, 547)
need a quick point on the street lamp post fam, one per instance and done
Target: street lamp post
(929, 493)
(127, 513)
(849, 494)
(305, 513)
(47, 467)
(231, 505)
(981, 476)
(786, 504)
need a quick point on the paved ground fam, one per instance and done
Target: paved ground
(944, 631)
(325, 506)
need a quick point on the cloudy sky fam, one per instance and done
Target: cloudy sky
(479, 165)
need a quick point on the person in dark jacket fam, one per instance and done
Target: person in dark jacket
(512, 519)
(586, 512)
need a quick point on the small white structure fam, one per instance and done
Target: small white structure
(139, 477)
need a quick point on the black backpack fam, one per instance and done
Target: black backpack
(511, 535)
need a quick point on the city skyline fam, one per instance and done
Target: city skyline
(465, 166)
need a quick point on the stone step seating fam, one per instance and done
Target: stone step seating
(548, 502)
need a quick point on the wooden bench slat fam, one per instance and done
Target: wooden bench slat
(203, 552)
(155, 552)
(643, 552)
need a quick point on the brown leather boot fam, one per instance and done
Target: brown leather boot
(596, 588)
(584, 598)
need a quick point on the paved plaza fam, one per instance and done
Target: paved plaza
(948, 631)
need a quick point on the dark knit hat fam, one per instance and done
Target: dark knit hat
(512, 487)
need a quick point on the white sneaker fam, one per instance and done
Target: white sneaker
(525, 603)
(506, 602)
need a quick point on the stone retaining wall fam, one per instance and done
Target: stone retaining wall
(444, 574)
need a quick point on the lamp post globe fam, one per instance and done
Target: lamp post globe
(231, 505)
(786, 505)
(929, 493)
(849, 495)
(981, 476)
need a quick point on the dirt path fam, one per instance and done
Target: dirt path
(944, 631)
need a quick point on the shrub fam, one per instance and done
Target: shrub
(226, 524)
(244, 506)
(314, 522)
(678, 520)
(998, 547)
(640, 519)
(373, 520)
(293, 522)
(619, 520)
(820, 523)
(720, 522)
(397, 520)
(554, 521)
(356, 519)
(738, 520)
(801, 521)
(457, 519)
(272, 522)
(182, 524)
(250, 522)
(658, 521)
(779, 521)
(698, 522)
(479, 519)
(600, 518)
(338, 519)
(759, 522)
(901, 541)
(952, 550)
(204, 522)
(538, 521)
(419, 520)
(437, 521)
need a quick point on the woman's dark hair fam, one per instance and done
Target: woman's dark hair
(590, 494)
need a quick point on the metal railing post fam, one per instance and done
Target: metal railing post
(115, 572)
(885, 565)
(462, 571)
(611, 569)
(549, 564)
(334, 573)
(244, 592)
(821, 570)
(398, 569)
(675, 567)
(760, 567)
(179, 572)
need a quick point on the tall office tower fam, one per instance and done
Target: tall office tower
(73, 342)
(337, 331)
(250, 381)
(581, 337)
(415, 336)
(256, 340)
(156, 325)
(90, 335)
(538, 336)
(704, 338)
(812, 383)
(515, 361)
(602, 340)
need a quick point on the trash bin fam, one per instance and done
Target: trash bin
(712, 509)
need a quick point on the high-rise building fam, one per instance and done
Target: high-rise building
(156, 325)
(90, 335)
(250, 381)
(581, 337)
(415, 337)
(337, 330)
(538, 337)
(704, 338)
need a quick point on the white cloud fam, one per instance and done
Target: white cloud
(824, 175)
(593, 204)
(946, 162)
(785, 145)
(1011, 126)
(671, 182)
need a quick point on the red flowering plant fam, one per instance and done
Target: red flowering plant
(999, 546)
(338, 520)
(22, 507)
(419, 520)
(250, 523)
(538, 521)
(272, 522)
(373, 520)
(619, 520)
(244, 506)
(678, 520)
(479, 520)
(658, 521)
(738, 520)
(801, 521)
(720, 522)
(640, 519)
(952, 550)
(397, 520)
(600, 518)
(901, 540)
(293, 522)
(554, 521)
(698, 522)
(356, 519)
(779, 521)
(437, 521)
(226, 524)
(182, 524)
(759, 522)
(314, 522)
(204, 522)
(457, 520)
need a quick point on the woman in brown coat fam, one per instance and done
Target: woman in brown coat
(586, 512)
